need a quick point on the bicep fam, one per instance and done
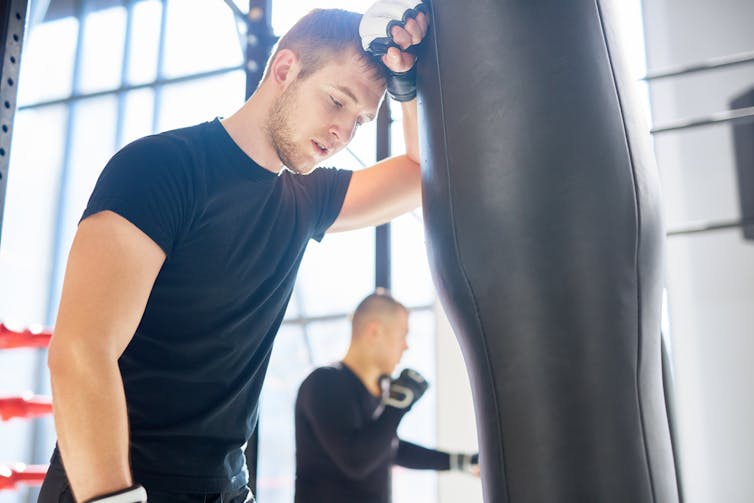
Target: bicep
(111, 268)
(380, 193)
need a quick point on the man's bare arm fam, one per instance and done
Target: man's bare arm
(111, 269)
(391, 187)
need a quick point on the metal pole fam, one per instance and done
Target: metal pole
(259, 42)
(12, 23)
(382, 265)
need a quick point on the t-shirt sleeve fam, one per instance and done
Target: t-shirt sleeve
(327, 189)
(147, 183)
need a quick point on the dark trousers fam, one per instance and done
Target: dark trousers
(56, 489)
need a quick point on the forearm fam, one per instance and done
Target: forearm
(421, 458)
(91, 422)
(358, 452)
(411, 129)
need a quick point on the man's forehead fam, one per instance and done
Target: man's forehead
(358, 65)
(364, 93)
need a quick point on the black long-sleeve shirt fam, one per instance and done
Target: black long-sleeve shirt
(345, 446)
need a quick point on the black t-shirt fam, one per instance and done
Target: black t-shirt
(234, 234)
(346, 445)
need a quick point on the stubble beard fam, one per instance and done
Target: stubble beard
(279, 130)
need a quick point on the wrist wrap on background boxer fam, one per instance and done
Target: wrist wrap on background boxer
(463, 462)
(376, 38)
(134, 494)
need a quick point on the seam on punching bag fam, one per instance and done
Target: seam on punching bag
(456, 250)
(639, 327)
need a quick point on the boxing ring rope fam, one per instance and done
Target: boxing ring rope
(20, 473)
(35, 337)
(711, 64)
(23, 406)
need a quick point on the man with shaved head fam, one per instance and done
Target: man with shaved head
(347, 414)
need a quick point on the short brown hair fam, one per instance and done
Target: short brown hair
(321, 36)
(380, 305)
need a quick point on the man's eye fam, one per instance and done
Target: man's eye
(337, 103)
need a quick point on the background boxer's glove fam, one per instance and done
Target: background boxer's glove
(376, 38)
(404, 392)
(466, 463)
(133, 494)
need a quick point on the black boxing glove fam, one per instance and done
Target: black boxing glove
(402, 393)
(134, 494)
(376, 38)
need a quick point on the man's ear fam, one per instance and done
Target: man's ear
(374, 331)
(285, 67)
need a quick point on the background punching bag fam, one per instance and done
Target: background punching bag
(545, 241)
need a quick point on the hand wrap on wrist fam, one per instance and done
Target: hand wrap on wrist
(463, 462)
(133, 494)
(402, 86)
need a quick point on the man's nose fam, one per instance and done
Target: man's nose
(343, 130)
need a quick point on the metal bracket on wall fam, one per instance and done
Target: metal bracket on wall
(12, 24)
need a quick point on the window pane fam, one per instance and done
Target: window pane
(411, 280)
(419, 425)
(190, 47)
(289, 365)
(138, 113)
(197, 101)
(397, 142)
(293, 311)
(329, 340)
(144, 41)
(102, 54)
(28, 226)
(92, 145)
(336, 273)
(47, 61)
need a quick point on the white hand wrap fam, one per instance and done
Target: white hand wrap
(376, 38)
(380, 18)
(134, 494)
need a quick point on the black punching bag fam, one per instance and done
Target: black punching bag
(545, 240)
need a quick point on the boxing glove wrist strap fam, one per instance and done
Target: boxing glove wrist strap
(401, 86)
(134, 494)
